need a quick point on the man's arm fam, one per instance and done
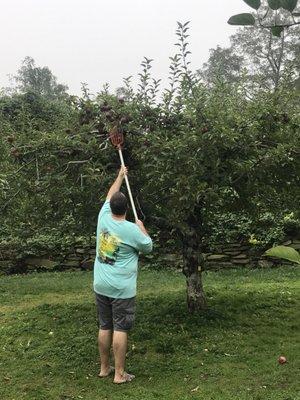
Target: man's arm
(115, 187)
(142, 227)
(144, 242)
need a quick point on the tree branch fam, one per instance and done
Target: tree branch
(280, 25)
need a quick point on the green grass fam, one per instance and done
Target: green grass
(228, 352)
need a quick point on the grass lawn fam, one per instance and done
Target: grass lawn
(48, 335)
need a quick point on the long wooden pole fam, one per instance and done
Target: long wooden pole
(128, 186)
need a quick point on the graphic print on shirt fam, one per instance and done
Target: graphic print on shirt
(108, 247)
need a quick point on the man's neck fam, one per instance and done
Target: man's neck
(119, 217)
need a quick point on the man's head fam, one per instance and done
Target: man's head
(118, 204)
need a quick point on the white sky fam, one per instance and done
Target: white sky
(97, 41)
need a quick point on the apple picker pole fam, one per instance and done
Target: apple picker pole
(117, 140)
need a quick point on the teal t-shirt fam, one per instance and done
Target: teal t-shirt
(117, 250)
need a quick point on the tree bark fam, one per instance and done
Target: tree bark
(195, 295)
(192, 270)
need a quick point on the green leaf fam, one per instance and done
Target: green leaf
(253, 3)
(296, 14)
(242, 19)
(289, 5)
(276, 30)
(284, 252)
(274, 4)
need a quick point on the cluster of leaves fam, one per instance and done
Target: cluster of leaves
(285, 253)
(51, 243)
(266, 228)
(276, 25)
(52, 169)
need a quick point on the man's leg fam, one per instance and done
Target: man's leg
(104, 344)
(120, 349)
(123, 319)
(104, 309)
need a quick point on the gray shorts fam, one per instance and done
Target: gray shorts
(115, 314)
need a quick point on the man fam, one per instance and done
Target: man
(115, 272)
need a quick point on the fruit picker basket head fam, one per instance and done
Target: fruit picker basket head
(116, 137)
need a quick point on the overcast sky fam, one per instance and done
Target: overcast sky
(97, 41)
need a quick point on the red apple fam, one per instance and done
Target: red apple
(282, 360)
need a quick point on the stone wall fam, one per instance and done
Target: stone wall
(226, 256)
(234, 255)
(80, 258)
(237, 254)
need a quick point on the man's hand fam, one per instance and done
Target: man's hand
(140, 223)
(141, 226)
(122, 172)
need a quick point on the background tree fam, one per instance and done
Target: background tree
(265, 60)
(38, 80)
(224, 64)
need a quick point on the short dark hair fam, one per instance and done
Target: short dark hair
(118, 203)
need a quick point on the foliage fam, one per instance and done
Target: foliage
(267, 15)
(223, 64)
(256, 59)
(285, 253)
(52, 166)
(38, 80)
(203, 138)
(205, 163)
(242, 19)
(50, 243)
(263, 229)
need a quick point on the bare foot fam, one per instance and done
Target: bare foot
(106, 372)
(124, 378)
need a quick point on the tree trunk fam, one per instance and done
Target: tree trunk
(195, 295)
(192, 270)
